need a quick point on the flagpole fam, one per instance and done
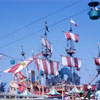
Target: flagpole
(70, 27)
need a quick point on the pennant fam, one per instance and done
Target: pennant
(73, 22)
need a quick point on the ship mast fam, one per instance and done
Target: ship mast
(98, 69)
(70, 51)
(97, 63)
(46, 53)
(23, 55)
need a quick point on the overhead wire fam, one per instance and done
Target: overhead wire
(10, 57)
(27, 25)
(58, 22)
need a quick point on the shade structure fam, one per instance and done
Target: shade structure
(13, 84)
(53, 92)
(26, 92)
(75, 90)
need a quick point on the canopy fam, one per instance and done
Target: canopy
(75, 90)
(13, 84)
(26, 92)
(53, 92)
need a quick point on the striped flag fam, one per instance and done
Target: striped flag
(47, 66)
(71, 36)
(71, 62)
(73, 22)
(18, 67)
(47, 44)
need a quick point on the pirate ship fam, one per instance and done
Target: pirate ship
(50, 82)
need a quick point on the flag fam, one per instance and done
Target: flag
(46, 26)
(47, 66)
(18, 67)
(71, 62)
(73, 22)
(47, 44)
(71, 36)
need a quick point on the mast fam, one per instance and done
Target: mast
(70, 51)
(45, 65)
(70, 61)
(98, 69)
(98, 50)
(23, 55)
(97, 62)
(45, 54)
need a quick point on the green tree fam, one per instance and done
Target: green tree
(2, 87)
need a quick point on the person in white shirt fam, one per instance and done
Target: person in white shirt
(97, 95)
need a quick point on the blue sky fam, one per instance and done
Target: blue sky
(15, 14)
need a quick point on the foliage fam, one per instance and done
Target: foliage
(2, 87)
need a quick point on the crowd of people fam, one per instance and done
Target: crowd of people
(95, 96)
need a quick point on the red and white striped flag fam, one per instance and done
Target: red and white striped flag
(18, 67)
(47, 44)
(73, 22)
(71, 36)
(71, 62)
(48, 66)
